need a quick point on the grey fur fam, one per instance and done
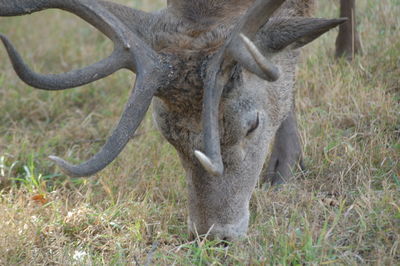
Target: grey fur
(210, 88)
(286, 153)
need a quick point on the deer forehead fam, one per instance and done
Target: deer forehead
(189, 41)
(190, 46)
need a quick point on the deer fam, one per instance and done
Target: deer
(348, 42)
(220, 75)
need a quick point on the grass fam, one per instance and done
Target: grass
(345, 209)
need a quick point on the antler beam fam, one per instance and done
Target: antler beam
(89, 10)
(135, 110)
(131, 52)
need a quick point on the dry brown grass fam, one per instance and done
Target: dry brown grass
(345, 209)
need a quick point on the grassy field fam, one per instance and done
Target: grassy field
(345, 209)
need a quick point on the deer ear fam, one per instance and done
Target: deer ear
(292, 33)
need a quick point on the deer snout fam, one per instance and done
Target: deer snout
(219, 231)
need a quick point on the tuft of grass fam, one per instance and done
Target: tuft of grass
(345, 209)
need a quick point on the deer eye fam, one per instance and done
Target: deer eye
(253, 125)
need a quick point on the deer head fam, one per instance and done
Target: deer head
(220, 74)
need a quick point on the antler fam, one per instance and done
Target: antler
(94, 13)
(67, 80)
(130, 52)
(137, 106)
(238, 48)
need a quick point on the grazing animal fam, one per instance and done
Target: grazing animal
(220, 74)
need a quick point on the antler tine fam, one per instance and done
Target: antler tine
(102, 19)
(135, 110)
(244, 51)
(241, 49)
(258, 15)
(213, 87)
(63, 81)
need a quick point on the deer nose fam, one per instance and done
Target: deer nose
(224, 237)
(223, 232)
(225, 240)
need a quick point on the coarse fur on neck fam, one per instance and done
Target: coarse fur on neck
(208, 12)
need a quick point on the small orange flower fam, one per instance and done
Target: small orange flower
(40, 198)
